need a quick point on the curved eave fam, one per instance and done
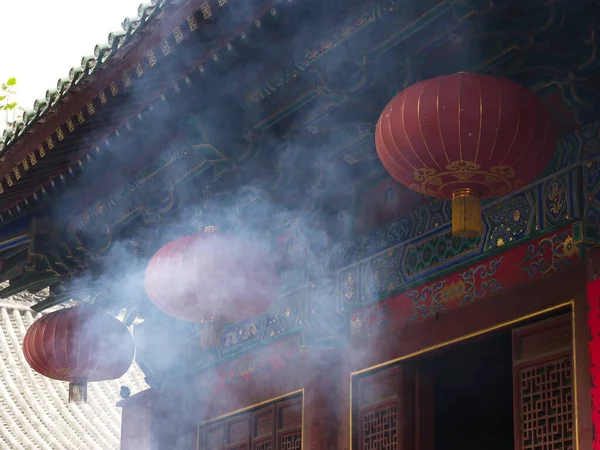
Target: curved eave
(37, 161)
(105, 56)
(56, 115)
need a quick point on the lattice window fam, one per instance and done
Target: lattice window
(290, 442)
(275, 427)
(264, 424)
(238, 431)
(380, 429)
(268, 445)
(547, 406)
(379, 405)
(543, 356)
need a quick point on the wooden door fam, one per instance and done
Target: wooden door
(394, 410)
(277, 426)
(543, 385)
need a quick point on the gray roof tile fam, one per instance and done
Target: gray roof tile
(34, 412)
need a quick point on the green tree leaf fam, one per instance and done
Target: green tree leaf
(6, 98)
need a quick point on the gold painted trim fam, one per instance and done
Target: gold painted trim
(480, 119)
(255, 406)
(302, 436)
(568, 304)
(437, 111)
(464, 192)
(421, 130)
(460, 153)
(498, 124)
(402, 111)
(13, 239)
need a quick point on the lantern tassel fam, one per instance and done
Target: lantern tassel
(78, 392)
(466, 214)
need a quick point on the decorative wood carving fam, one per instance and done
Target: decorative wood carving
(291, 441)
(393, 409)
(275, 427)
(543, 380)
(380, 410)
(379, 428)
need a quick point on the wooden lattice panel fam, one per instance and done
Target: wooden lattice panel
(267, 445)
(274, 427)
(379, 388)
(264, 423)
(290, 441)
(289, 416)
(380, 429)
(549, 340)
(543, 383)
(238, 430)
(379, 409)
(546, 406)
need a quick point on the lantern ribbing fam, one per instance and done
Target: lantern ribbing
(212, 278)
(465, 137)
(78, 345)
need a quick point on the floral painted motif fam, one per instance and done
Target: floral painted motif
(510, 220)
(371, 320)
(549, 254)
(515, 267)
(471, 285)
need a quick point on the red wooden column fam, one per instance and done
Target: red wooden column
(136, 421)
(593, 298)
(326, 400)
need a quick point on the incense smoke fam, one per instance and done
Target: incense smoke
(312, 192)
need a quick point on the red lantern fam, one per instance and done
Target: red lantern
(465, 137)
(79, 345)
(212, 278)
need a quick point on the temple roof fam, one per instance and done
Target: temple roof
(204, 111)
(105, 54)
(125, 154)
(34, 411)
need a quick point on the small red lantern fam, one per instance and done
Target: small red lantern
(212, 278)
(79, 345)
(465, 137)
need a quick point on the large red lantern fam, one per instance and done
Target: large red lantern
(465, 137)
(79, 345)
(212, 278)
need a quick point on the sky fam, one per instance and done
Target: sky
(42, 40)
